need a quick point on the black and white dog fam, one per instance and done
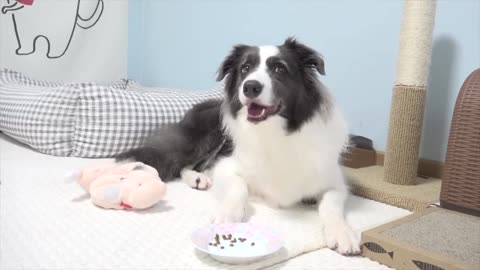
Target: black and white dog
(277, 135)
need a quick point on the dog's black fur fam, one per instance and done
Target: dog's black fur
(191, 142)
(199, 139)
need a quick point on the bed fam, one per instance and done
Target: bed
(50, 128)
(47, 223)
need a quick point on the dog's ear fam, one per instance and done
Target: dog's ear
(231, 61)
(309, 57)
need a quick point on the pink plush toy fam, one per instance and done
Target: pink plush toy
(133, 185)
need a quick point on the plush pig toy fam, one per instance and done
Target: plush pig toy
(133, 185)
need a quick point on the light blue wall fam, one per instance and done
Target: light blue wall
(455, 54)
(180, 43)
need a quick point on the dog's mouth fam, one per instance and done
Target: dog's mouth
(258, 113)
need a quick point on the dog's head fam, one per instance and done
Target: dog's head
(274, 80)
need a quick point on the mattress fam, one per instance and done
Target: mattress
(49, 224)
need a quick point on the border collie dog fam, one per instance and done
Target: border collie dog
(276, 135)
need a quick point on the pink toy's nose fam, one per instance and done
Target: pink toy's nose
(124, 205)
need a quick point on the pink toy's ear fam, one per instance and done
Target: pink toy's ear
(111, 192)
(107, 196)
(125, 167)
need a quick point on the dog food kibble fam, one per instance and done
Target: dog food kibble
(227, 237)
(228, 240)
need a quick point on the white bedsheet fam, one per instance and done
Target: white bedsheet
(48, 224)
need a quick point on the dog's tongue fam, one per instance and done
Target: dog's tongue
(255, 110)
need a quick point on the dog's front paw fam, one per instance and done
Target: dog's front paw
(197, 180)
(342, 238)
(228, 215)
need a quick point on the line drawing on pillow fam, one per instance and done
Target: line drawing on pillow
(29, 23)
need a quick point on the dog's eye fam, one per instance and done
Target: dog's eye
(245, 68)
(279, 69)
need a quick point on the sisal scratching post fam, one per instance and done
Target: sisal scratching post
(408, 101)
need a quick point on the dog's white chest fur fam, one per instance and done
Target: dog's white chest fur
(284, 168)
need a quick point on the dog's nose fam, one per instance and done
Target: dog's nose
(252, 89)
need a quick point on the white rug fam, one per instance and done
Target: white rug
(47, 224)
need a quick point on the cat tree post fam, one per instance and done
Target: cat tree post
(409, 92)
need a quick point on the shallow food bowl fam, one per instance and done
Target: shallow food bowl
(236, 243)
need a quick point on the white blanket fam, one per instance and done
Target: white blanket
(48, 224)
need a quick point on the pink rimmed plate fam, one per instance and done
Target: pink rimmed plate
(236, 243)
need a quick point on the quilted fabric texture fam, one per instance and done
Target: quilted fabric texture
(111, 120)
(88, 119)
(37, 113)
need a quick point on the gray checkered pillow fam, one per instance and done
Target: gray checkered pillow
(88, 119)
(112, 120)
(38, 113)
